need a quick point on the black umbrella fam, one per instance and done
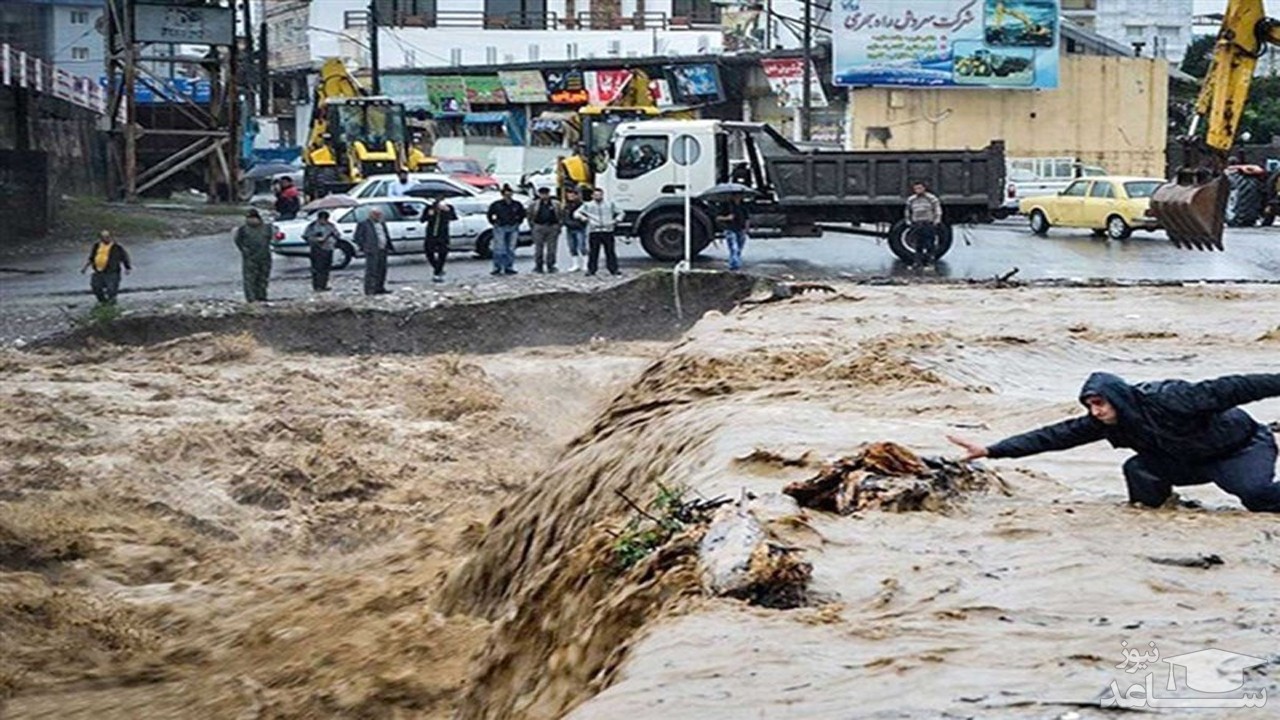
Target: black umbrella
(270, 169)
(726, 190)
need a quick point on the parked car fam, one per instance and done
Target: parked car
(468, 170)
(403, 216)
(1113, 205)
(426, 185)
(1034, 177)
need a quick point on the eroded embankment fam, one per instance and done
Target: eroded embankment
(1000, 603)
(642, 309)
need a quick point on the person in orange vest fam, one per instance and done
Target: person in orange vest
(106, 257)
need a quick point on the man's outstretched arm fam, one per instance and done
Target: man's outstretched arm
(1221, 393)
(1058, 436)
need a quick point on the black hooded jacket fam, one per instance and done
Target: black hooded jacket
(1176, 419)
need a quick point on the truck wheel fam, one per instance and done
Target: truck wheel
(1039, 223)
(343, 252)
(484, 245)
(663, 237)
(1117, 228)
(903, 245)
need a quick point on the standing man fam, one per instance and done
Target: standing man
(321, 236)
(601, 217)
(253, 238)
(575, 229)
(735, 220)
(288, 200)
(505, 216)
(374, 240)
(923, 214)
(400, 186)
(437, 217)
(544, 219)
(106, 258)
(1184, 434)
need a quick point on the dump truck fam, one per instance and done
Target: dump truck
(795, 193)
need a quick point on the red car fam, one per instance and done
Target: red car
(468, 171)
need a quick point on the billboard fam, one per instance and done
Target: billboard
(524, 86)
(696, 84)
(1009, 44)
(194, 25)
(409, 90)
(786, 80)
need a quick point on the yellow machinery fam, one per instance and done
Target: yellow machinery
(594, 125)
(1192, 206)
(353, 135)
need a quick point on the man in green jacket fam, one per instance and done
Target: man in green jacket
(254, 241)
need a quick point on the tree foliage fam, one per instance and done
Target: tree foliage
(1196, 62)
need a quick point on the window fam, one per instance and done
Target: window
(1169, 32)
(362, 213)
(79, 53)
(1076, 189)
(1135, 32)
(641, 154)
(519, 14)
(433, 189)
(703, 12)
(79, 17)
(1141, 188)
(1102, 190)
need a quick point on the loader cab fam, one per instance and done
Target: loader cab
(369, 132)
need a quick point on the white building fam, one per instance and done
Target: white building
(1164, 27)
(63, 32)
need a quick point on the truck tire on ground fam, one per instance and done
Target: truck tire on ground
(904, 247)
(1245, 199)
(662, 237)
(343, 252)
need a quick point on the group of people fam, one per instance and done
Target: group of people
(588, 226)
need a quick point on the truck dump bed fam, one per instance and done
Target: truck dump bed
(871, 186)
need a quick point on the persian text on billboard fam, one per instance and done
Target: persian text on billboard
(1009, 44)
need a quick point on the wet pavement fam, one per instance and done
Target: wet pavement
(209, 268)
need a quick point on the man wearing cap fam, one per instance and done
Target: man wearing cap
(253, 239)
(505, 216)
(1184, 433)
(374, 240)
(106, 257)
(544, 220)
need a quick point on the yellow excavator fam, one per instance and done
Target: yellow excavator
(1192, 206)
(353, 135)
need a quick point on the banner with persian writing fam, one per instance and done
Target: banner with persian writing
(1010, 44)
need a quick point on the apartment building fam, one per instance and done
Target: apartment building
(1161, 28)
(65, 32)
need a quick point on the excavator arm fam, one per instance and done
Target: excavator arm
(1192, 206)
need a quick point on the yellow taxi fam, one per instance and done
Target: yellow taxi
(1109, 204)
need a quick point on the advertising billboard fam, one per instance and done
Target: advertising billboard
(1010, 44)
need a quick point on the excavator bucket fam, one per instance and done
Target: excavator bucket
(1192, 208)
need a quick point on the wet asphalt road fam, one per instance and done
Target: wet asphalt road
(209, 268)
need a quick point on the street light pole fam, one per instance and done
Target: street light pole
(805, 93)
(373, 48)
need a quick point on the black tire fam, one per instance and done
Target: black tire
(663, 236)
(1245, 199)
(484, 245)
(343, 254)
(1039, 222)
(1117, 228)
(904, 247)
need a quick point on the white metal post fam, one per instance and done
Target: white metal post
(8, 73)
(688, 216)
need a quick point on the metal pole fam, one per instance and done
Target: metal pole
(373, 49)
(808, 71)
(130, 106)
(264, 75)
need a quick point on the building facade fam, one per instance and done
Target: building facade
(64, 31)
(1163, 28)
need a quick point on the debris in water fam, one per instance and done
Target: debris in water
(887, 476)
(770, 457)
(726, 550)
(1196, 561)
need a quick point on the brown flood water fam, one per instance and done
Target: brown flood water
(236, 533)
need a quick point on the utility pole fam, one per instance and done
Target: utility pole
(373, 48)
(805, 94)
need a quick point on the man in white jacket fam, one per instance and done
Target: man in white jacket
(601, 217)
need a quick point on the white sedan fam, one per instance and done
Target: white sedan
(471, 231)
(427, 185)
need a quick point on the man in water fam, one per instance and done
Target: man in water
(1184, 433)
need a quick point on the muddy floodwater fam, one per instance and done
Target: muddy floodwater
(212, 527)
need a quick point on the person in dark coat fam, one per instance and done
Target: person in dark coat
(374, 240)
(106, 257)
(437, 217)
(322, 237)
(253, 239)
(288, 200)
(1184, 433)
(505, 215)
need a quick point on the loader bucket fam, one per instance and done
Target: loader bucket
(1192, 209)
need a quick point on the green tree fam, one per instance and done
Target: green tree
(1199, 53)
(1261, 116)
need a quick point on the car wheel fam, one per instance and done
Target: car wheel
(1117, 228)
(484, 245)
(342, 255)
(1039, 222)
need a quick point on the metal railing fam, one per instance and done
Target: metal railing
(584, 20)
(22, 70)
